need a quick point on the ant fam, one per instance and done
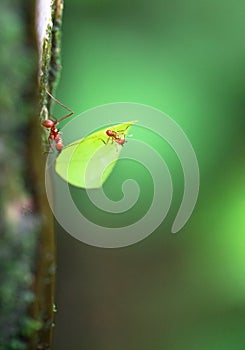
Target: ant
(114, 136)
(54, 133)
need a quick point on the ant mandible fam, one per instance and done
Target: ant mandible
(54, 133)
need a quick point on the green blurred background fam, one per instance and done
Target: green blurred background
(184, 291)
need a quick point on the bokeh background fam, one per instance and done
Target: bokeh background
(184, 291)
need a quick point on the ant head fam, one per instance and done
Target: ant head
(48, 123)
(111, 133)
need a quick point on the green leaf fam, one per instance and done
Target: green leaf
(88, 162)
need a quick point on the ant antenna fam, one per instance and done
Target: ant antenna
(62, 105)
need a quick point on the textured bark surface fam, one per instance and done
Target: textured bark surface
(27, 246)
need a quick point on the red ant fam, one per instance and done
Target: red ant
(54, 133)
(114, 136)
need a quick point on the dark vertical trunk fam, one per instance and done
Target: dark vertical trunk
(27, 246)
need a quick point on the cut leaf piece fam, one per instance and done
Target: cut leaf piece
(88, 162)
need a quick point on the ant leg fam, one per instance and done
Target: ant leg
(51, 149)
(103, 141)
(106, 142)
(123, 131)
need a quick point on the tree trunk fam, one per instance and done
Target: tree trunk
(27, 245)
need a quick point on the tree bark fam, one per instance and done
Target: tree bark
(27, 244)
